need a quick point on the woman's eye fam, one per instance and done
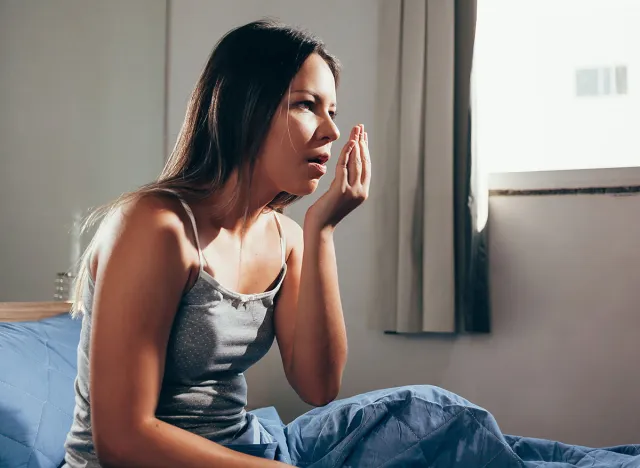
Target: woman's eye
(305, 105)
(309, 105)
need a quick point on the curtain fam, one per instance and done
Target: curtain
(442, 263)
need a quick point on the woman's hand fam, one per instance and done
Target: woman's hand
(349, 188)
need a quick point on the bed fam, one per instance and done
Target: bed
(403, 427)
(38, 343)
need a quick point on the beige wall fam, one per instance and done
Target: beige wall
(81, 120)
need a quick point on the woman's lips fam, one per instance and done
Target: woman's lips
(317, 170)
(320, 159)
(318, 165)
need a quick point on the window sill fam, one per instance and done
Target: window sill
(622, 180)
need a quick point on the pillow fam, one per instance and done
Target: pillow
(37, 372)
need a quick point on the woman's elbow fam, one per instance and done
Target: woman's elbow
(115, 448)
(318, 401)
(320, 396)
(315, 388)
(110, 453)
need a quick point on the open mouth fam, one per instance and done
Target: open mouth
(321, 159)
(318, 165)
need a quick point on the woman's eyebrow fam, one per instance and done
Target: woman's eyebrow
(314, 94)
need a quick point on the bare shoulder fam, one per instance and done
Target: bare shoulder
(293, 233)
(149, 219)
(163, 209)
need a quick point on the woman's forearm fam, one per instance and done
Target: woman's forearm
(320, 342)
(158, 444)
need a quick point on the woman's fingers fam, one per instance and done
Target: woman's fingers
(355, 161)
(354, 164)
(342, 171)
(365, 176)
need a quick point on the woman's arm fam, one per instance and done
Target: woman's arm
(309, 321)
(141, 268)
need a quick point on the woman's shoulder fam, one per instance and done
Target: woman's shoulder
(148, 218)
(152, 212)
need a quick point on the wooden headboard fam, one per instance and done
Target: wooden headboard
(29, 311)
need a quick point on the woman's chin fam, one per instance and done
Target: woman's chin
(305, 188)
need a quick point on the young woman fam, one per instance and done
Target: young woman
(190, 278)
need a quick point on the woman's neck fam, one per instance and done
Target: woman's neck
(236, 210)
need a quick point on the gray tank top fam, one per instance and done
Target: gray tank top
(217, 334)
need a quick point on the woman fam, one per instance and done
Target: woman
(189, 279)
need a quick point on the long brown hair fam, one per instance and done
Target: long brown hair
(227, 120)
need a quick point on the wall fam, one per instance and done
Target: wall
(564, 273)
(81, 121)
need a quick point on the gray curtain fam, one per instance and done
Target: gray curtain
(442, 264)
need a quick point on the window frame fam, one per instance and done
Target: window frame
(567, 179)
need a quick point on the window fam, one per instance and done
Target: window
(601, 81)
(557, 84)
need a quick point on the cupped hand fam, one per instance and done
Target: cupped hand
(350, 186)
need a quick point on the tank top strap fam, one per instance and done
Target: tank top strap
(283, 243)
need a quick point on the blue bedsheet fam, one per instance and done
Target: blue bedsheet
(37, 368)
(417, 426)
(412, 426)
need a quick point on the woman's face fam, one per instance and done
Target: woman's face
(298, 145)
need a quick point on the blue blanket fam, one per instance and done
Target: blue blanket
(416, 426)
(401, 427)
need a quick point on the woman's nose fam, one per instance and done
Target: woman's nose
(330, 130)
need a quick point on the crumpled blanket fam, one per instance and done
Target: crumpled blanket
(413, 426)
